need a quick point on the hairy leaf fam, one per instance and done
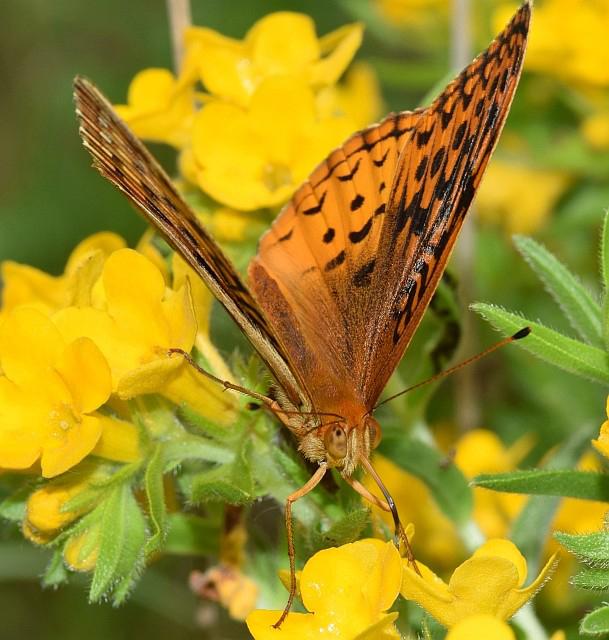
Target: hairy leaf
(581, 309)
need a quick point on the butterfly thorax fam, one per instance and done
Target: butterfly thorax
(339, 436)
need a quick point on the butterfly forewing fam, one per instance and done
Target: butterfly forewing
(122, 158)
(325, 236)
(358, 253)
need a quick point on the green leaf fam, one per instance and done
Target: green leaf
(581, 309)
(195, 448)
(155, 495)
(595, 579)
(585, 485)
(13, 507)
(549, 345)
(448, 485)
(347, 529)
(530, 529)
(122, 536)
(596, 623)
(215, 486)
(590, 548)
(191, 535)
(55, 572)
(605, 277)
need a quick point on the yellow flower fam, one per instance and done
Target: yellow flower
(46, 514)
(518, 197)
(436, 540)
(567, 40)
(490, 582)
(256, 157)
(481, 626)
(49, 392)
(602, 444)
(25, 285)
(481, 451)
(358, 97)
(135, 319)
(159, 107)
(81, 551)
(347, 590)
(279, 44)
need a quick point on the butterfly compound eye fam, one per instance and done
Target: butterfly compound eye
(335, 441)
(374, 431)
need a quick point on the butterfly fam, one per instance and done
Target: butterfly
(343, 276)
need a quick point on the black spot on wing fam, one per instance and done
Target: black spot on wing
(357, 202)
(336, 261)
(358, 236)
(381, 161)
(351, 174)
(329, 235)
(437, 161)
(362, 275)
(311, 211)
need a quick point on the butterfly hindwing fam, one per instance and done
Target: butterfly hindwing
(120, 157)
(359, 251)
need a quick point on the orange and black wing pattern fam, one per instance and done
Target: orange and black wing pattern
(121, 158)
(354, 259)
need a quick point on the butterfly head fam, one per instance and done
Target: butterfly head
(342, 443)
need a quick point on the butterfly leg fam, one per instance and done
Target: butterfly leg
(271, 404)
(386, 505)
(313, 481)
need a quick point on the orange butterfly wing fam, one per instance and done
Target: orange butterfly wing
(120, 157)
(350, 265)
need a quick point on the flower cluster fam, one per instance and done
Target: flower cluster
(269, 111)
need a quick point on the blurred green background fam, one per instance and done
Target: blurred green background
(50, 199)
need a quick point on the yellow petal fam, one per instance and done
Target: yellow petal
(384, 629)
(122, 350)
(297, 626)
(25, 285)
(182, 325)
(364, 581)
(21, 428)
(602, 444)
(518, 598)
(64, 449)
(105, 242)
(159, 108)
(481, 626)
(340, 45)
(427, 590)
(207, 398)
(119, 440)
(282, 43)
(479, 585)
(502, 548)
(221, 63)
(222, 132)
(81, 550)
(86, 373)
(29, 342)
(151, 377)
(134, 288)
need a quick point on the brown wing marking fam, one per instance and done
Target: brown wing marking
(359, 251)
(121, 158)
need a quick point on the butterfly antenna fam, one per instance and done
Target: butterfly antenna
(519, 335)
